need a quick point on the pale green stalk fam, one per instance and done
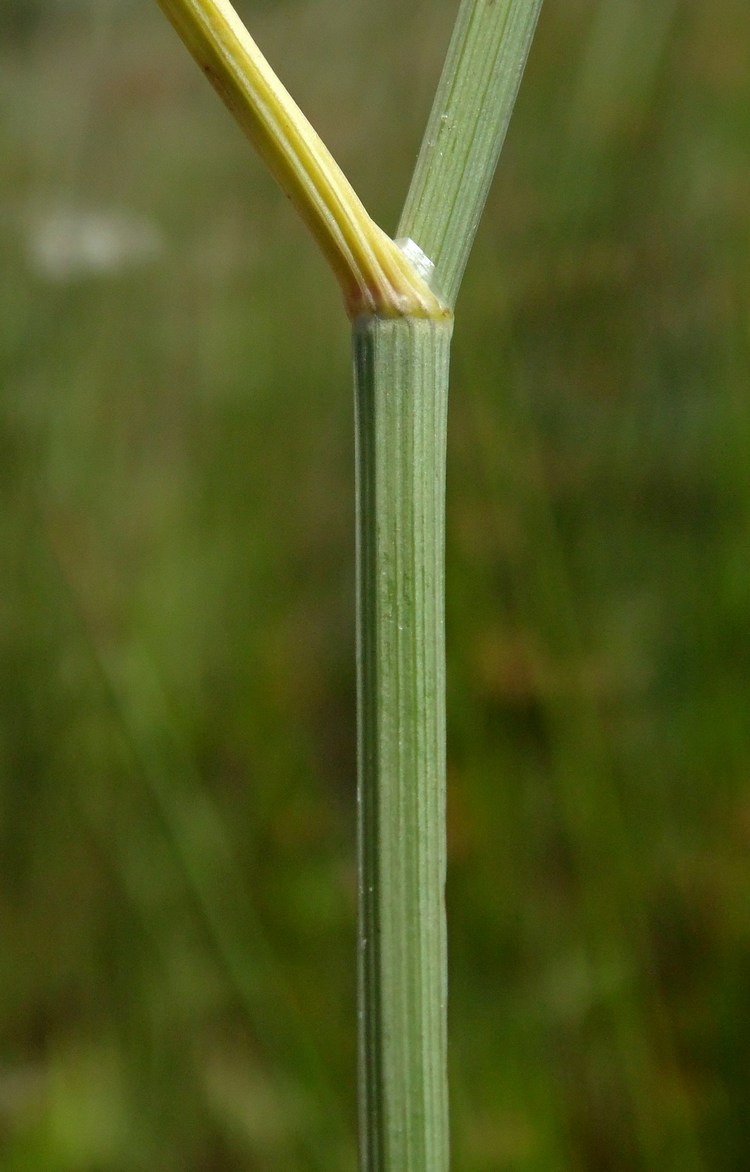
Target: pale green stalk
(401, 399)
(465, 133)
(401, 386)
(400, 299)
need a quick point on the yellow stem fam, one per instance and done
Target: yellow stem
(374, 273)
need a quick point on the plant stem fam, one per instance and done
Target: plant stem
(400, 300)
(465, 133)
(374, 274)
(401, 391)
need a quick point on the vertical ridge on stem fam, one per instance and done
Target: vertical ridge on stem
(465, 132)
(401, 384)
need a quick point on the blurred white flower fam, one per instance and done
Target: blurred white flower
(69, 243)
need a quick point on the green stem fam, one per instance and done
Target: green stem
(401, 390)
(465, 133)
(401, 387)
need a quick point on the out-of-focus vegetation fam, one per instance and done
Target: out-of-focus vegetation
(176, 613)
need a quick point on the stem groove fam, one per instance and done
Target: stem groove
(401, 389)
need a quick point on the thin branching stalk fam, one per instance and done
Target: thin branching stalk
(374, 274)
(401, 388)
(465, 133)
(400, 298)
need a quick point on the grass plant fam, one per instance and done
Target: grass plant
(400, 297)
(177, 754)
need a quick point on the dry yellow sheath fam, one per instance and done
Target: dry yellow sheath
(375, 275)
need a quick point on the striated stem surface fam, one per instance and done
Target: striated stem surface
(466, 131)
(401, 390)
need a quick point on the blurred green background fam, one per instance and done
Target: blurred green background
(177, 874)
